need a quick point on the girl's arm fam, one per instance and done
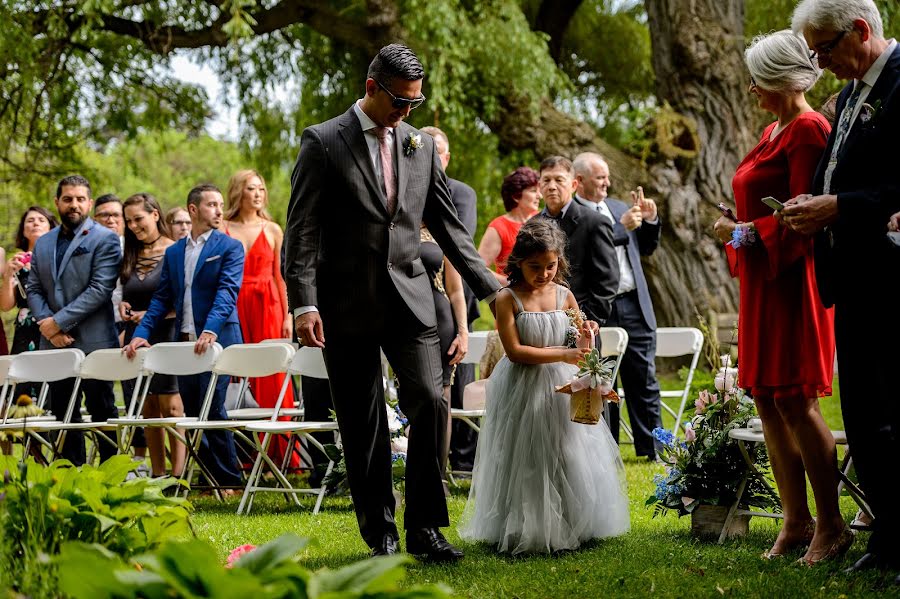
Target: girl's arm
(287, 326)
(454, 287)
(526, 354)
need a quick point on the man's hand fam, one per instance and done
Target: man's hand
(808, 214)
(593, 327)
(203, 342)
(136, 343)
(649, 211)
(724, 227)
(632, 218)
(61, 340)
(309, 328)
(49, 328)
(894, 223)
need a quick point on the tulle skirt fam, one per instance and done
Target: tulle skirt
(541, 482)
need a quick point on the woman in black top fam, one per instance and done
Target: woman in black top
(146, 240)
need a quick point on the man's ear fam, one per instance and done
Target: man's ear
(865, 31)
(371, 87)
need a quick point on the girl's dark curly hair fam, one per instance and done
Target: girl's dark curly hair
(536, 236)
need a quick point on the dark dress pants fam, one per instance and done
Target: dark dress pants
(637, 375)
(353, 359)
(317, 406)
(867, 362)
(463, 438)
(101, 405)
(217, 451)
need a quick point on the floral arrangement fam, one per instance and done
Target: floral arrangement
(707, 467)
(412, 143)
(576, 322)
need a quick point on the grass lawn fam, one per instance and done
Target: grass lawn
(657, 558)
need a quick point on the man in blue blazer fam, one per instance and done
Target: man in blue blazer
(855, 191)
(636, 231)
(74, 269)
(200, 280)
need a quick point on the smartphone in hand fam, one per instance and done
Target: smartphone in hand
(772, 203)
(726, 212)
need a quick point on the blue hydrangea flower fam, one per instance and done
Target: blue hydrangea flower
(664, 436)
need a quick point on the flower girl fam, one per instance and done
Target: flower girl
(541, 482)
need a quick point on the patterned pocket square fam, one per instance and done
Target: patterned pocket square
(80, 251)
(211, 258)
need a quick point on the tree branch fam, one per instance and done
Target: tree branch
(553, 18)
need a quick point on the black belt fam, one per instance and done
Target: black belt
(628, 294)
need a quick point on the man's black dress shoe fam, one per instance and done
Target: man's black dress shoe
(389, 546)
(866, 562)
(431, 544)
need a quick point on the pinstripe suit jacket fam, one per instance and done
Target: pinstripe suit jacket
(342, 245)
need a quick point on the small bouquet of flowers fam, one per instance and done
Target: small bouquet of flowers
(577, 319)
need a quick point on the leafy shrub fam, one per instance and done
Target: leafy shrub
(192, 570)
(41, 507)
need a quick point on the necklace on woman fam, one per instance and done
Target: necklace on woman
(150, 244)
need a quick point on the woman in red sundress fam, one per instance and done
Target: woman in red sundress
(262, 302)
(785, 335)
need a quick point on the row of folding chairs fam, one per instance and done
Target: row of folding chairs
(243, 361)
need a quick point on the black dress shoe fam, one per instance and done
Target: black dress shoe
(389, 546)
(431, 544)
(866, 562)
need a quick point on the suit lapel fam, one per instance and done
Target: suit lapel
(400, 134)
(80, 234)
(569, 221)
(178, 267)
(211, 245)
(877, 94)
(353, 136)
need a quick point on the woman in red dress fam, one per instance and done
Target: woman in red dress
(785, 335)
(262, 302)
(521, 199)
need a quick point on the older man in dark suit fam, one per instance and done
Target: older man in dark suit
(855, 191)
(363, 185)
(593, 267)
(73, 273)
(635, 233)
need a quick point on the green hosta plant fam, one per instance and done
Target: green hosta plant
(41, 507)
(192, 570)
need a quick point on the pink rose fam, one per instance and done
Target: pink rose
(236, 554)
(689, 435)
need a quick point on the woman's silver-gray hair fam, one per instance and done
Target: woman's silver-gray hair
(780, 62)
(836, 15)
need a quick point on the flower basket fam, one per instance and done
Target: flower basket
(590, 390)
(707, 522)
(586, 406)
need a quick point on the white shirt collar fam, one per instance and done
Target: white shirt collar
(203, 238)
(365, 122)
(874, 71)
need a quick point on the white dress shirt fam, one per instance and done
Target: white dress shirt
(867, 82)
(192, 249)
(626, 274)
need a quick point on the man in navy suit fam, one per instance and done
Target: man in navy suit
(855, 191)
(73, 273)
(635, 233)
(200, 281)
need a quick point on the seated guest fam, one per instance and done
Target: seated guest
(200, 280)
(146, 240)
(35, 222)
(521, 198)
(179, 222)
(788, 363)
(74, 269)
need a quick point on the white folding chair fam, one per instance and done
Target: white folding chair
(266, 413)
(477, 346)
(672, 342)
(175, 359)
(243, 361)
(45, 367)
(5, 386)
(310, 362)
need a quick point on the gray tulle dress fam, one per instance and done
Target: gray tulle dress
(541, 482)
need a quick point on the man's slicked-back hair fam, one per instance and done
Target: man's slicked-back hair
(73, 181)
(395, 60)
(195, 196)
(555, 161)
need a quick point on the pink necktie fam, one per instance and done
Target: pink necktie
(387, 168)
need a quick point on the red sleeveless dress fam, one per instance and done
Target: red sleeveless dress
(261, 311)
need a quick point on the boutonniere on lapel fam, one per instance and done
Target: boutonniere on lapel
(412, 143)
(869, 112)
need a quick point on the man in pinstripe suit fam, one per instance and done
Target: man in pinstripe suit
(362, 186)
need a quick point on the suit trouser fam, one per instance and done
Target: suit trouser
(317, 406)
(463, 438)
(637, 374)
(217, 451)
(867, 362)
(353, 359)
(101, 405)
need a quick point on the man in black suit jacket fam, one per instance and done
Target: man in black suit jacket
(855, 191)
(594, 270)
(363, 185)
(635, 233)
(463, 438)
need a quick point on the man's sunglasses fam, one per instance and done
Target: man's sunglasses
(400, 103)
